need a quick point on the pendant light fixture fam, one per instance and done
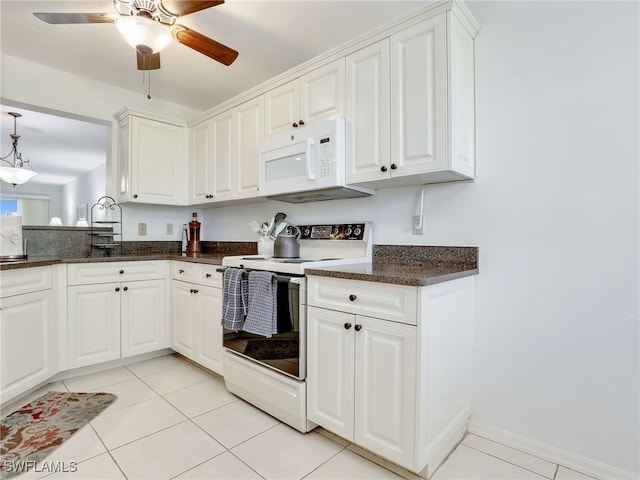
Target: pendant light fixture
(16, 173)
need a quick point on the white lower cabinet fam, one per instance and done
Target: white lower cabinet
(28, 330)
(117, 319)
(196, 309)
(361, 380)
(398, 387)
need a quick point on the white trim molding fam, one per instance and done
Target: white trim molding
(547, 452)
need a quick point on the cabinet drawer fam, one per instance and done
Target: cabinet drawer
(25, 280)
(380, 300)
(207, 275)
(105, 272)
(185, 271)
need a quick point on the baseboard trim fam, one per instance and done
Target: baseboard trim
(547, 452)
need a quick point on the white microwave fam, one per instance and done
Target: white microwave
(307, 164)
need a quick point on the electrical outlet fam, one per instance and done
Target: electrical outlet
(417, 225)
(142, 229)
(169, 228)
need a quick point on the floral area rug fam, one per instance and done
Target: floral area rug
(31, 433)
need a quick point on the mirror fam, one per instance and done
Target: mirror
(69, 154)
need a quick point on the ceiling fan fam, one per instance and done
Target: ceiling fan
(149, 25)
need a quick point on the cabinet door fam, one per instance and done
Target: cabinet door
(419, 97)
(200, 172)
(143, 318)
(330, 370)
(367, 110)
(182, 318)
(385, 392)
(282, 108)
(322, 93)
(209, 337)
(26, 329)
(223, 156)
(158, 160)
(249, 123)
(94, 324)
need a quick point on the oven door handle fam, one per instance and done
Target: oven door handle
(278, 277)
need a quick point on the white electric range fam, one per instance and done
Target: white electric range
(320, 246)
(270, 372)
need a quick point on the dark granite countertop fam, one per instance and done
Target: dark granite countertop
(211, 259)
(398, 264)
(399, 274)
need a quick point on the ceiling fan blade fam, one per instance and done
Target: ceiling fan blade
(63, 18)
(148, 62)
(185, 7)
(204, 45)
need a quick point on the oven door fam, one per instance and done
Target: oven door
(285, 350)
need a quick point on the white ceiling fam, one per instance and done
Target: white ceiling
(270, 36)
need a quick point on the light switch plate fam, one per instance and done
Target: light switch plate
(142, 229)
(169, 228)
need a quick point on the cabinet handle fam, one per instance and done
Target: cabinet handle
(193, 290)
(121, 272)
(301, 122)
(352, 297)
(358, 328)
(208, 275)
(117, 289)
(393, 166)
(383, 168)
(347, 326)
(135, 195)
(181, 271)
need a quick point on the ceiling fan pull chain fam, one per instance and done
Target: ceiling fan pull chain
(149, 87)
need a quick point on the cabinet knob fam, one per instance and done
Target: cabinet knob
(294, 125)
(121, 272)
(135, 195)
(358, 328)
(125, 288)
(301, 122)
(117, 289)
(352, 297)
(383, 168)
(347, 326)
(208, 275)
(181, 271)
(393, 166)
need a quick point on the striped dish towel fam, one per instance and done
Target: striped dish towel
(262, 316)
(234, 298)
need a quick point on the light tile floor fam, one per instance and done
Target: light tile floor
(175, 420)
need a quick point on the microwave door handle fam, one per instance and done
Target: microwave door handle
(310, 143)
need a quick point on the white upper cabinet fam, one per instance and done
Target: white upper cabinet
(224, 154)
(315, 96)
(431, 103)
(152, 159)
(367, 111)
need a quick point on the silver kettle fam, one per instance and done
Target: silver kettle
(287, 244)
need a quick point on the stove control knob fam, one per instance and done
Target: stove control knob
(306, 232)
(335, 231)
(347, 231)
(357, 231)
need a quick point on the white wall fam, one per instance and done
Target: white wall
(555, 212)
(86, 189)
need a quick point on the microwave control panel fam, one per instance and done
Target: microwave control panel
(326, 156)
(347, 231)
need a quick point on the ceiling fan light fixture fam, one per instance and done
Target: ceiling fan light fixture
(144, 34)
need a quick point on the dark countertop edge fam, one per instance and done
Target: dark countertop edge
(211, 259)
(417, 279)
